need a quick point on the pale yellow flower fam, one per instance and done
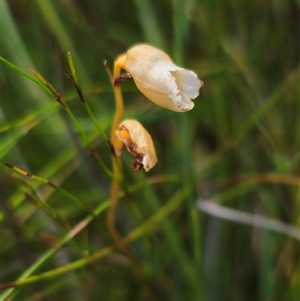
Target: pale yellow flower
(139, 143)
(159, 79)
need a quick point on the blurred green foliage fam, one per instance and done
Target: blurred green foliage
(238, 147)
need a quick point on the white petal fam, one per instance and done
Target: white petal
(188, 82)
(160, 80)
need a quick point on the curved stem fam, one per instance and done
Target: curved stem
(117, 119)
(114, 200)
(116, 164)
(119, 64)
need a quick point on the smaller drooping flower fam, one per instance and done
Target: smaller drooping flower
(159, 79)
(139, 143)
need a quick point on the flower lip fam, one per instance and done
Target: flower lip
(160, 80)
(139, 143)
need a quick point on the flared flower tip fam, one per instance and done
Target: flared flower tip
(161, 81)
(139, 143)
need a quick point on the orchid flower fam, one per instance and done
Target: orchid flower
(159, 79)
(139, 143)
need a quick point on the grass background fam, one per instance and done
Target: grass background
(238, 148)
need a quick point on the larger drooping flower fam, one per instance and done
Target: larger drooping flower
(159, 79)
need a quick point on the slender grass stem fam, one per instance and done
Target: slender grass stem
(47, 255)
(141, 230)
(75, 81)
(22, 72)
(63, 103)
(181, 26)
(64, 192)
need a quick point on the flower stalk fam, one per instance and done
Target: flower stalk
(117, 148)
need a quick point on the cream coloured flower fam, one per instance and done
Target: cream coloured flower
(139, 143)
(161, 81)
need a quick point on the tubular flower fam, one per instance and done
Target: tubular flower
(161, 81)
(139, 143)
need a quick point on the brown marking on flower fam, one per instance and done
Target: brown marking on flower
(137, 162)
(132, 148)
(122, 78)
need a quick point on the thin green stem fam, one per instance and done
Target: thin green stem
(75, 81)
(63, 103)
(64, 192)
(47, 255)
(88, 143)
(21, 71)
(181, 32)
(143, 229)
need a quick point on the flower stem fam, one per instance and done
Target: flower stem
(119, 64)
(116, 164)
